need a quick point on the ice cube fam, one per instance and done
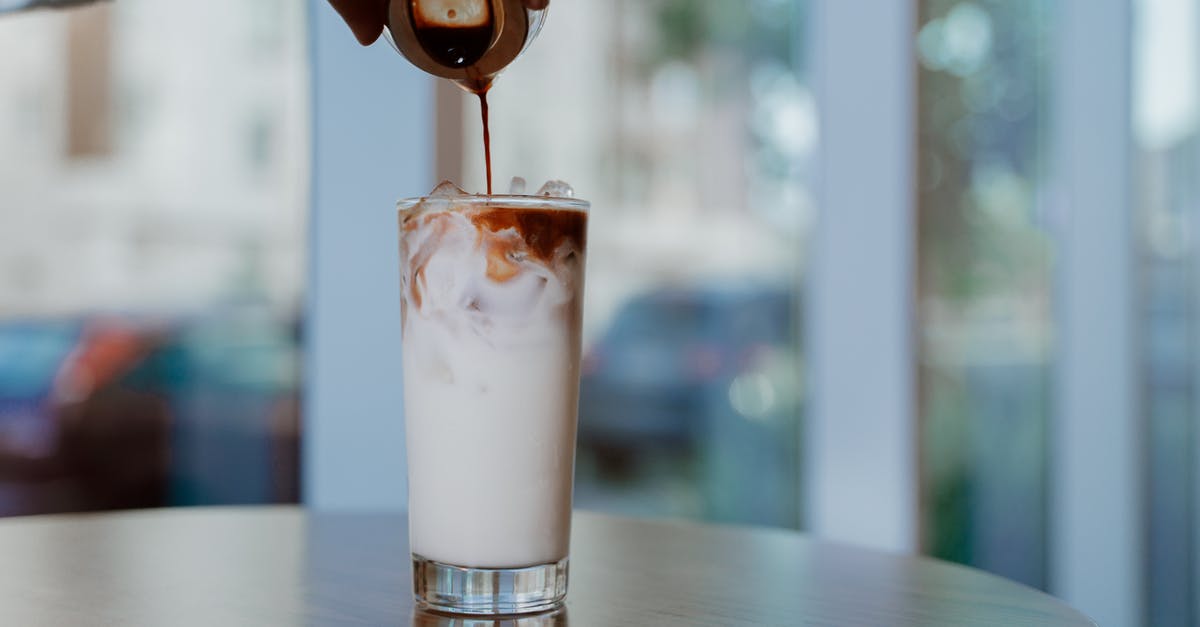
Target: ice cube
(446, 189)
(556, 189)
(517, 186)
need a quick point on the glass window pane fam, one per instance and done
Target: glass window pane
(690, 126)
(984, 283)
(153, 188)
(1166, 53)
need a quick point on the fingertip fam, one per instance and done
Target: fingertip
(366, 20)
(367, 36)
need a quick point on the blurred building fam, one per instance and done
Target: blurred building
(155, 156)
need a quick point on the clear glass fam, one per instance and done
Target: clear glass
(423, 618)
(491, 302)
(984, 284)
(691, 123)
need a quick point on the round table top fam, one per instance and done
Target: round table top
(282, 566)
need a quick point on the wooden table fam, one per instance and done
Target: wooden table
(281, 566)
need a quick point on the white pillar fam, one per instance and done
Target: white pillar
(372, 144)
(860, 454)
(1096, 465)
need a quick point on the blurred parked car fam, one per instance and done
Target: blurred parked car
(30, 354)
(687, 385)
(651, 376)
(88, 438)
(119, 412)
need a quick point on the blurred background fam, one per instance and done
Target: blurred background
(152, 243)
(157, 266)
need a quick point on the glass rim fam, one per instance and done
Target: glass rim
(511, 201)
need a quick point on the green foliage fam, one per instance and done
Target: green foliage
(982, 245)
(753, 30)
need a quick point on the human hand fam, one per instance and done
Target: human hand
(367, 18)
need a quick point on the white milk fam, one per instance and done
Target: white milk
(491, 381)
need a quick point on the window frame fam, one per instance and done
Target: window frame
(1096, 454)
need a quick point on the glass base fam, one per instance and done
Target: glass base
(489, 591)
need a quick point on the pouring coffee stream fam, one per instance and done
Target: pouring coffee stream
(467, 41)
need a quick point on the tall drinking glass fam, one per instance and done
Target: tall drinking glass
(492, 296)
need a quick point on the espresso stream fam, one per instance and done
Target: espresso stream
(463, 47)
